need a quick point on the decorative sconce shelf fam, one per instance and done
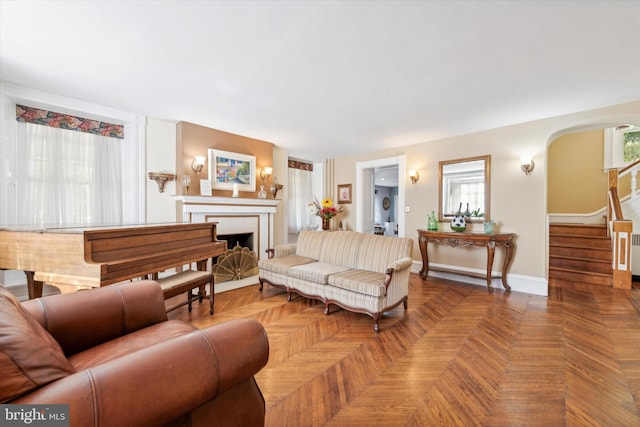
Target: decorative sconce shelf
(161, 179)
(275, 188)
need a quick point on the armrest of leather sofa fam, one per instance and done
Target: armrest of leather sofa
(164, 381)
(84, 319)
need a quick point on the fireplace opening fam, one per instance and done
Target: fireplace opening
(239, 261)
(245, 240)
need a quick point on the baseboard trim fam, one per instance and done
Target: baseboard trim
(235, 284)
(519, 283)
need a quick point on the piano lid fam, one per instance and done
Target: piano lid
(79, 228)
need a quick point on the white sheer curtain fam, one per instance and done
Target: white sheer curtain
(68, 178)
(300, 195)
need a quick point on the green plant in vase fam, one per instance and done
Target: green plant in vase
(476, 213)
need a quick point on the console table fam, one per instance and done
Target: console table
(454, 239)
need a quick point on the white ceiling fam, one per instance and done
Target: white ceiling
(329, 78)
(386, 176)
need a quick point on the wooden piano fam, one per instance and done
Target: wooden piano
(99, 256)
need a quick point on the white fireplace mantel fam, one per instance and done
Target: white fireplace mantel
(256, 204)
(234, 215)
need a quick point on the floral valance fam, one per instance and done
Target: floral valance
(295, 164)
(67, 121)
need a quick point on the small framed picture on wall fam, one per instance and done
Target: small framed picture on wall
(344, 193)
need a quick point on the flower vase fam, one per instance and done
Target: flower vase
(488, 226)
(325, 223)
(467, 213)
(458, 223)
(432, 223)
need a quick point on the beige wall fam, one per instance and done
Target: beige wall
(160, 155)
(194, 140)
(518, 202)
(574, 163)
(171, 146)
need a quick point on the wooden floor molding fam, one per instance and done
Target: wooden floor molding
(459, 356)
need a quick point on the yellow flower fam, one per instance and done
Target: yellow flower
(326, 203)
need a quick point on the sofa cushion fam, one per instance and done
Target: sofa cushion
(378, 252)
(318, 272)
(309, 243)
(341, 248)
(29, 356)
(129, 343)
(282, 265)
(361, 281)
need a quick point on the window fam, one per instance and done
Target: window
(631, 144)
(300, 195)
(67, 177)
(21, 170)
(621, 146)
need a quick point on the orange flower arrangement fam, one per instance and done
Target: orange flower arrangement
(326, 210)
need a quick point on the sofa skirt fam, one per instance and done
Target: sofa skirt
(331, 293)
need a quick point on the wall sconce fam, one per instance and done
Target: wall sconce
(414, 176)
(161, 179)
(265, 173)
(197, 164)
(527, 164)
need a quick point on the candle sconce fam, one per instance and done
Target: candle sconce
(186, 182)
(161, 179)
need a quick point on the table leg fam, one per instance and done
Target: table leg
(422, 242)
(508, 248)
(491, 251)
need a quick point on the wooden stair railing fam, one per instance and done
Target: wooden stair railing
(614, 209)
(621, 229)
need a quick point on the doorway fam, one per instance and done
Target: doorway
(366, 196)
(385, 205)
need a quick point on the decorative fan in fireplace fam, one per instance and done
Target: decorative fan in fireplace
(235, 264)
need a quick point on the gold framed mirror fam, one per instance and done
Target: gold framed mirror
(465, 183)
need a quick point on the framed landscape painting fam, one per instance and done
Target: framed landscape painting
(229, 170)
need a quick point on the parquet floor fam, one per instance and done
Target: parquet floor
(458, 356)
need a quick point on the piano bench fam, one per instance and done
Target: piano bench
(186, 281)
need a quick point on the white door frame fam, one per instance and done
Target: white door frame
(400, 161)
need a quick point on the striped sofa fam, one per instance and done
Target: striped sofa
(364, 273)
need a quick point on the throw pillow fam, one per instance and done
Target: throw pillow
(29, 356)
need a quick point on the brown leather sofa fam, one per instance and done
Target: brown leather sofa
(112, 356)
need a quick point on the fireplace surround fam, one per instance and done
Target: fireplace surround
(235, 216)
